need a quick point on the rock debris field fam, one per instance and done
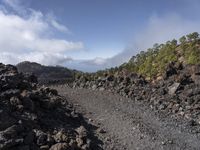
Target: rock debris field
(111, 112)
(37, 118)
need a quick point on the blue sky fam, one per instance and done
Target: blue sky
(90, 34)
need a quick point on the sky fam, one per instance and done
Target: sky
(89, 35)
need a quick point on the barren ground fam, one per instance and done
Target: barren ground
(130, 125)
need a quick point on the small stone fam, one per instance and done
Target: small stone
(170, 142)
(162, 106)
(94, 87)
(81, 131)
(181, 113)
(20, 108)
(141, 137)
(108, 139)
(163, 143)
(60, 137)
(173, 88)
(101, 89)
(84, 147)
(42, 138)
(15, 101)
(79, 142)
(101, 131)
(44, 147)
(153, 138)
(60, 146)
(188, 116)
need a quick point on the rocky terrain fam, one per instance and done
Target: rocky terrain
(177, 92)
(37, 118)
(126, 124)
(46, 74)
(151, 102)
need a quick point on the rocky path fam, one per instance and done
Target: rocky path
(130, 125)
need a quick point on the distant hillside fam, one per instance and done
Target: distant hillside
(153, 62)
(46, 74)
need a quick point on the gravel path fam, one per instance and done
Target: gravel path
(130, 125)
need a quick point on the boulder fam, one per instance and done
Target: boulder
(61, 136)
(173, 88)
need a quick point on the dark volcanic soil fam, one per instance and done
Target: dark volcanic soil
(131, 125)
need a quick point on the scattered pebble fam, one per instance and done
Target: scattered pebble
(100, 130)
(163, 143)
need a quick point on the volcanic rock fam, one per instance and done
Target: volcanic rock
(34, 117)
(177, 92)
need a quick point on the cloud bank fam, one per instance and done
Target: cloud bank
(31, 37)
(159, 29)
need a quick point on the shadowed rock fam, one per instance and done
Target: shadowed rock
(34, 117)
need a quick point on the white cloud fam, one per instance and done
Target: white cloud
(159, 29)
(59, 26)
(16, 5)
(163, 28)
(12, 3)
(31, 37)
(32, 34)
(50, 17)
(45, 58)
(96, 61)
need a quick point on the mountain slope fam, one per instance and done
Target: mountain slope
(174, 88)
(154, 61)
(46, 74)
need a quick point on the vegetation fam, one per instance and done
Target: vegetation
(153, 62)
